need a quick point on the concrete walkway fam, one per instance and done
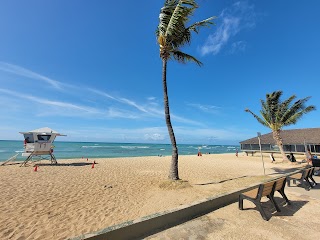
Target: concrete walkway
(300, 220)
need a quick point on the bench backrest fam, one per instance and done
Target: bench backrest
(279, 183)
(267, 188)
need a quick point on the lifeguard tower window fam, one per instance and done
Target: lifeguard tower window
(44, 137)
(29, 138)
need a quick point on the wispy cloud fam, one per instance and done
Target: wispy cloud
(50, 103)
(120, 100)
(126, 108)
(148, 134)
(120, 113)
(149, 109)
(232, 20)
(239, 46)
(17, 70)
(205, 108)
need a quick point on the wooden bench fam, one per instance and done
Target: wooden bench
(265, 190)
(303, 177)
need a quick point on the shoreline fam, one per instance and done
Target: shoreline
(78, 199)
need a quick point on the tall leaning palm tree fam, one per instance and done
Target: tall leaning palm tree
(276, 114)
(172, 33)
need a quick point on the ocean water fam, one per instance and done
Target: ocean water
(67, 150)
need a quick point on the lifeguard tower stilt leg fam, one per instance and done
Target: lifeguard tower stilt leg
(53, 159)
(29, 158)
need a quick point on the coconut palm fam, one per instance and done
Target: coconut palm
(277, 114)
(172, 33)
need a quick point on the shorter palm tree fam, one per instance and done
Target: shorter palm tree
(276, 114)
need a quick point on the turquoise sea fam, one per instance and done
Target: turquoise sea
(67, 150)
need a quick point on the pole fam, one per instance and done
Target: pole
(264, 170)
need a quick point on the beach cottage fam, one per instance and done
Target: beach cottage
(38, 142)
(295, 141)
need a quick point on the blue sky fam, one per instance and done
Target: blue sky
(91, 69)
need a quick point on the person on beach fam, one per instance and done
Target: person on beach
(293, 159)
(272, 158)
(236, 152)
(26, 140)
(199, 153)
(309, 157)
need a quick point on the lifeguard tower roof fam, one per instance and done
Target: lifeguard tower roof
(44, 130)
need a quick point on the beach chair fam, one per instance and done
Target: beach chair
(302, 177)
(13, 158)
(255, 195)
(279, 187)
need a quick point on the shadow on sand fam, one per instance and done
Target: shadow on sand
(66, 164)
(286, 210)
(285, 171)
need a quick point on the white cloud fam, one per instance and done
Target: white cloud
(7, 67)
(147, 109)
(209, 135)
(119, 113)
(154, 137)
(232, 20)
(102, 93)
(205, 108)
(49, 107)
(49, 103)
(239, 46)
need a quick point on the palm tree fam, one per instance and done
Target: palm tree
(172, 33)
(276, 114)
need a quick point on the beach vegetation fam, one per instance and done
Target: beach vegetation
(276, 114)
(173, 33)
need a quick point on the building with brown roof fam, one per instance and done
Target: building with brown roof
(295, 141)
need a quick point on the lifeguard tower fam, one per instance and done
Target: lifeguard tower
(38, 142)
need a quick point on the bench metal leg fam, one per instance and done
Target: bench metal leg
(274, 203)
(307, 184)
(284, 196)
(263, 214)
(288, 182)
(314, 182)
(240, 202)
(257, 203)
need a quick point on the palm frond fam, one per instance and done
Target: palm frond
(184, 57)
(172, 32)
(260, 120)
(276, 114)
(293, 119)
(204, 23)
(285, 109)
(272, 101)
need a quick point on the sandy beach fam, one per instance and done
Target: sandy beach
(72, 198)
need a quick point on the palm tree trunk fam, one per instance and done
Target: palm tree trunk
(278, 139)
(173, 174)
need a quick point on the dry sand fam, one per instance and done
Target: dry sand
(64, 201)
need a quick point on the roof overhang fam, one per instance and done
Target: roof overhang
(44, 131)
